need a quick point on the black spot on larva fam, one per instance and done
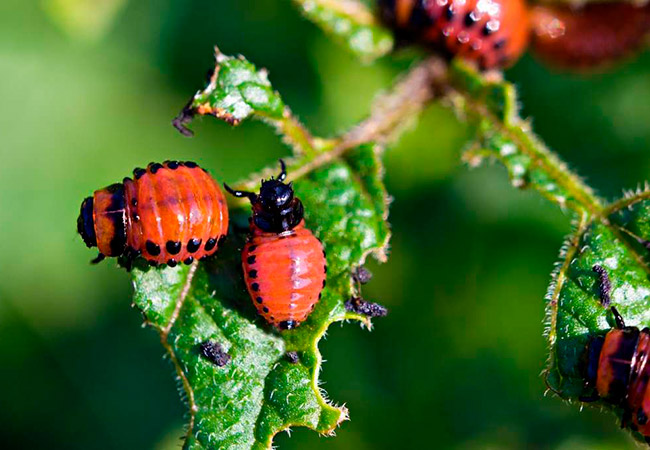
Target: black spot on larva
(193, 245)
(470, 19)
(292, 357)
(252, 248)
(641, 417)
(420, 18)
(259, 300)
(252, 273)
(287, 325)
(265, 309)
(360, 306)
(500, 44)
(152, 263)
(449, 12)
(324, 269)
(172, 165)
(190, 164)
(210, 243)
(251, 259)
(134, 202)
(255, 287)
(214, 352)
(189, 260)
(320, 294)
(172, 263)
(486, 31)
(324, 283)
(155, 167)
(138, 172)
(136, 218)
(173, 247)
(152, 248)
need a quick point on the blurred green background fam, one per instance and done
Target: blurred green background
(87, 92)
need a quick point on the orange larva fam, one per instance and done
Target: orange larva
(168, 213)
(593, 36)
(494, 33)
(284, 263)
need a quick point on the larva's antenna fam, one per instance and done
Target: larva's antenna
(283, 173)
(250, 195)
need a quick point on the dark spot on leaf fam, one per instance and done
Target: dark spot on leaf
(362, 275)
(292, 357)
(360, 306)
(214, 352)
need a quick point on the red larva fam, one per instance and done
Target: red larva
(593, 36)
(494, 33)
(284, 263)
(168, 213)
(616, 367)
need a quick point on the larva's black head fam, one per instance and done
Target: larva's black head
(86, 223)
(275, 208)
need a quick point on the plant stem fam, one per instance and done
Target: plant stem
(390, 113)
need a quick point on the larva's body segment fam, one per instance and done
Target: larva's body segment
(594, 36)
(494, 33)
(284, 273)
(168, 213)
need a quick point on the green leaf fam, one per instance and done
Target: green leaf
(238, 90)
(617, 241)
(353, 23)
(489, 106)
(243, 404)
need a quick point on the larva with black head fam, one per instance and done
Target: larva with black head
(494, 33)
(284, 263)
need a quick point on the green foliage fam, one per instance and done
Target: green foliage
(490, 107)
(260, 392)
(616, 241)
(353, 23)
(615, 237)
(237, 90)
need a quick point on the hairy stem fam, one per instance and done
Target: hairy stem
(390, 113)
(361, 14)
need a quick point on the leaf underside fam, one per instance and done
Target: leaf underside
(260, 392)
